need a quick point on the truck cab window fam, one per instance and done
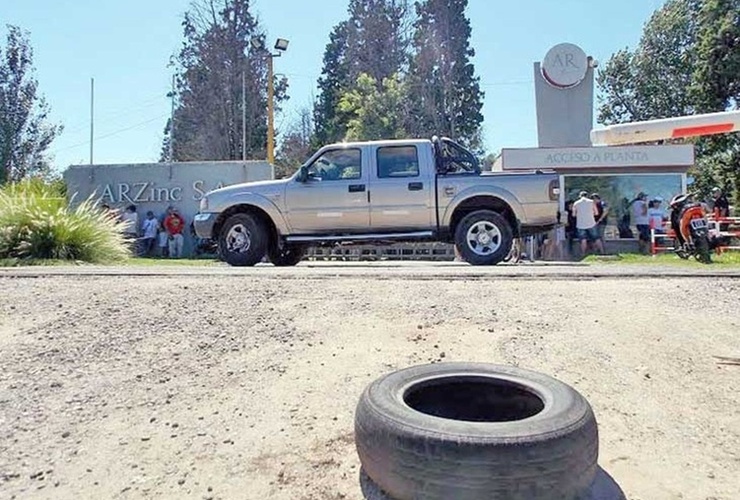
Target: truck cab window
(397, 161)
(337, 165)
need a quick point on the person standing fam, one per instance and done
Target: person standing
(130, 223)
(174, 224)
(721, 203)
(656, 215)
(602, 212)
(584, 210)
(149, 232)
(642, 222)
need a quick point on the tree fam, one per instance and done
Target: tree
(653, 81)
(716, 87)
(377, 38)
(25, 133)
(375, 113)
(295, 148)
(216, 57)
(373, 41)
(687, 62)
(330, 125)
(444, 92)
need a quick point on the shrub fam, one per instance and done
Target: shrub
(37, 222)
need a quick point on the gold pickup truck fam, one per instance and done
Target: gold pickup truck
(380, 191)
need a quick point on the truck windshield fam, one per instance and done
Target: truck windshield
(452, 158)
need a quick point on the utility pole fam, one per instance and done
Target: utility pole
(172, 120)
(92, 117)
(244, 116)
(270, 112)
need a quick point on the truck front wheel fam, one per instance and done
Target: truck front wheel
(483, 238)
(242, 241)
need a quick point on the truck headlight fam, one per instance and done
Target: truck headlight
(204, 204)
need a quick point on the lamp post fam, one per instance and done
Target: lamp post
(281, 45)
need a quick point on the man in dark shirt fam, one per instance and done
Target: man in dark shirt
(721, 204)
(602, 212)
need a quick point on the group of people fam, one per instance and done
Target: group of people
(155, 237)
(587, 219)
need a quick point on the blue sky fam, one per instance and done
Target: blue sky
(126, 46)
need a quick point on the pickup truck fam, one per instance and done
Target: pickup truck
(380, 191)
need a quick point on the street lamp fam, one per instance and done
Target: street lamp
(281, 45)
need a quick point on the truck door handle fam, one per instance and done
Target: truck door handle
(356, 188)
(416, 186)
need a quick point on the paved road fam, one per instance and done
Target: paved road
(393, 269)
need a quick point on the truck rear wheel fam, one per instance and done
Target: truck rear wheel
(483, 238)
(242, 241)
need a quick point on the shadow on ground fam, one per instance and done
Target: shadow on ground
(603, 488)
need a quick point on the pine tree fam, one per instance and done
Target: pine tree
(372, 41)
(377, 39)
(445, 95)
(329, 121)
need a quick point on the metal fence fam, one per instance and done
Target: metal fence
(398, 251)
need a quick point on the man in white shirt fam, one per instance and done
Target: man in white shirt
(584, 210)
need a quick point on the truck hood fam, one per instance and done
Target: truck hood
(263, 188)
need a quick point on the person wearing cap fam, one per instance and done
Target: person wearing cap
(642, 221)
(721, 203)
(656, 215)
(584, 210)
(174, 224)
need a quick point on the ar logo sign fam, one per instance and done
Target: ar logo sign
(564, 66)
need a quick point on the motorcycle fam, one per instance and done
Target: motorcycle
(689, 223)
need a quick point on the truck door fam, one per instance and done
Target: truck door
(401, 189)
(334, 199)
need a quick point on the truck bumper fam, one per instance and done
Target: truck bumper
(203, 224)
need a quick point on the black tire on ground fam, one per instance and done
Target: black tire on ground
(242, 240)
(287, 255)
(469, 431)
(483, 252)
(703, 253)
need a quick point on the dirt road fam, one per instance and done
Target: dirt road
(245, 386)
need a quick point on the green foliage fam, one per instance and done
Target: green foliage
(331, 124)
(25, 134)
(375, 113)
(37, 222)
(687, 62)
(444, 92)
(653, 81)
(427, 60)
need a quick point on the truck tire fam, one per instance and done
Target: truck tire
(287, 255)
(470, 431)
(242, 241)
(483, 238)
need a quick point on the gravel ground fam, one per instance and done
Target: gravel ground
(245, 386)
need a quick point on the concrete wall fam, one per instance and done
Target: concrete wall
(155, 186)
(564, 116)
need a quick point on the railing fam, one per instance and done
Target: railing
(727, 228)
(397, 251)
